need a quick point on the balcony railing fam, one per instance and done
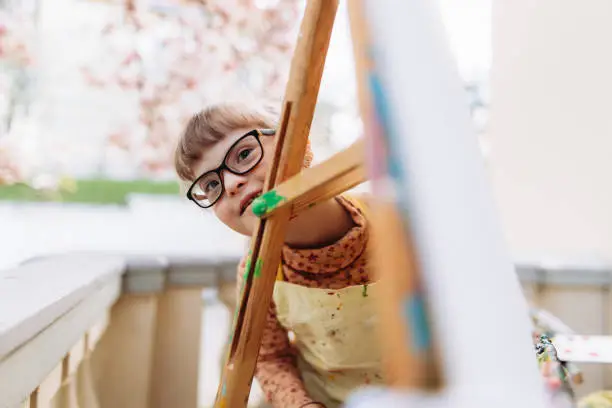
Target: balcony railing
(90, 330)
(102, 330)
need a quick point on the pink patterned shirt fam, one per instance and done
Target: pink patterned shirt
(335, 266)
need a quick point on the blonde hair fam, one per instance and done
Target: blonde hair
(211, 125)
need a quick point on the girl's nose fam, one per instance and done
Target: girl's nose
(233, 183)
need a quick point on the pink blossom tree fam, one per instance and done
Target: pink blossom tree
(16, 43)
(177, 56)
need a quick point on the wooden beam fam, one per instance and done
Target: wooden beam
(298, 109)
(337, 174)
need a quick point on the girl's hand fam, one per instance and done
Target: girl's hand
(549, 371)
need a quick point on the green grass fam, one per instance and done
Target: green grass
(92, 191)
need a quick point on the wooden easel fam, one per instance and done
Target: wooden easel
(288, 193)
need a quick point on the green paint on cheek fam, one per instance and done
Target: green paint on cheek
(266, 203)
(258, 266)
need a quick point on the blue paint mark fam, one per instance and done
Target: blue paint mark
(415, 315)
(395, 160)
(381, 107)
(223, 390)
(414, 311)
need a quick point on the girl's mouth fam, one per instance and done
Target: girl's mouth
(247, 201)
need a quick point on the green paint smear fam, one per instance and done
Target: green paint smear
(266, 202)
(247, 267)
(365, 290)
(258, 266)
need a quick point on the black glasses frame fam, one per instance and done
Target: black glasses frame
(257, 133)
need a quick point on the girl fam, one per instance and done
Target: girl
(321, 297)
(320, 340)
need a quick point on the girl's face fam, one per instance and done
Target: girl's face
(233, 208)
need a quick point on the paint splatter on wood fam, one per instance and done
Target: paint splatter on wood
(266, 202)
(414, 313)
(258, 266)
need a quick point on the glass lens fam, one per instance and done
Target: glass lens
(244, 155)
(207, 189)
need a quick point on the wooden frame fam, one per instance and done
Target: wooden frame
(287, 193)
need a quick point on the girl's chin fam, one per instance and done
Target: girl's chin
(248, 223)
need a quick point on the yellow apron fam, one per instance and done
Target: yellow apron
(335, 332)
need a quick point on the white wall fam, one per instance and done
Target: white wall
(149, 225)
(551, 125)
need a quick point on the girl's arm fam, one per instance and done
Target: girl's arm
(276, 369)
(321, 225)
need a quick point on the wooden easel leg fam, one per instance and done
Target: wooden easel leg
(298, 110)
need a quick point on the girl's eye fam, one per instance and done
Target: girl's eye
(244, 154)
(211, 185)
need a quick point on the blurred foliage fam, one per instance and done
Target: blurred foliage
(178, 58)
(93, 191)
(166, 58)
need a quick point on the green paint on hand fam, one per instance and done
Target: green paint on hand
(365, 290)
(258, 265)
(266, 203)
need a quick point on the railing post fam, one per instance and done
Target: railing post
(174, 375)
(122, 361)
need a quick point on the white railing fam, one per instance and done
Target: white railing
(93, 330)
(50, 310)
(102, 330)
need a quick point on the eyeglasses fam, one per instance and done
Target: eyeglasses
(242, 157)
